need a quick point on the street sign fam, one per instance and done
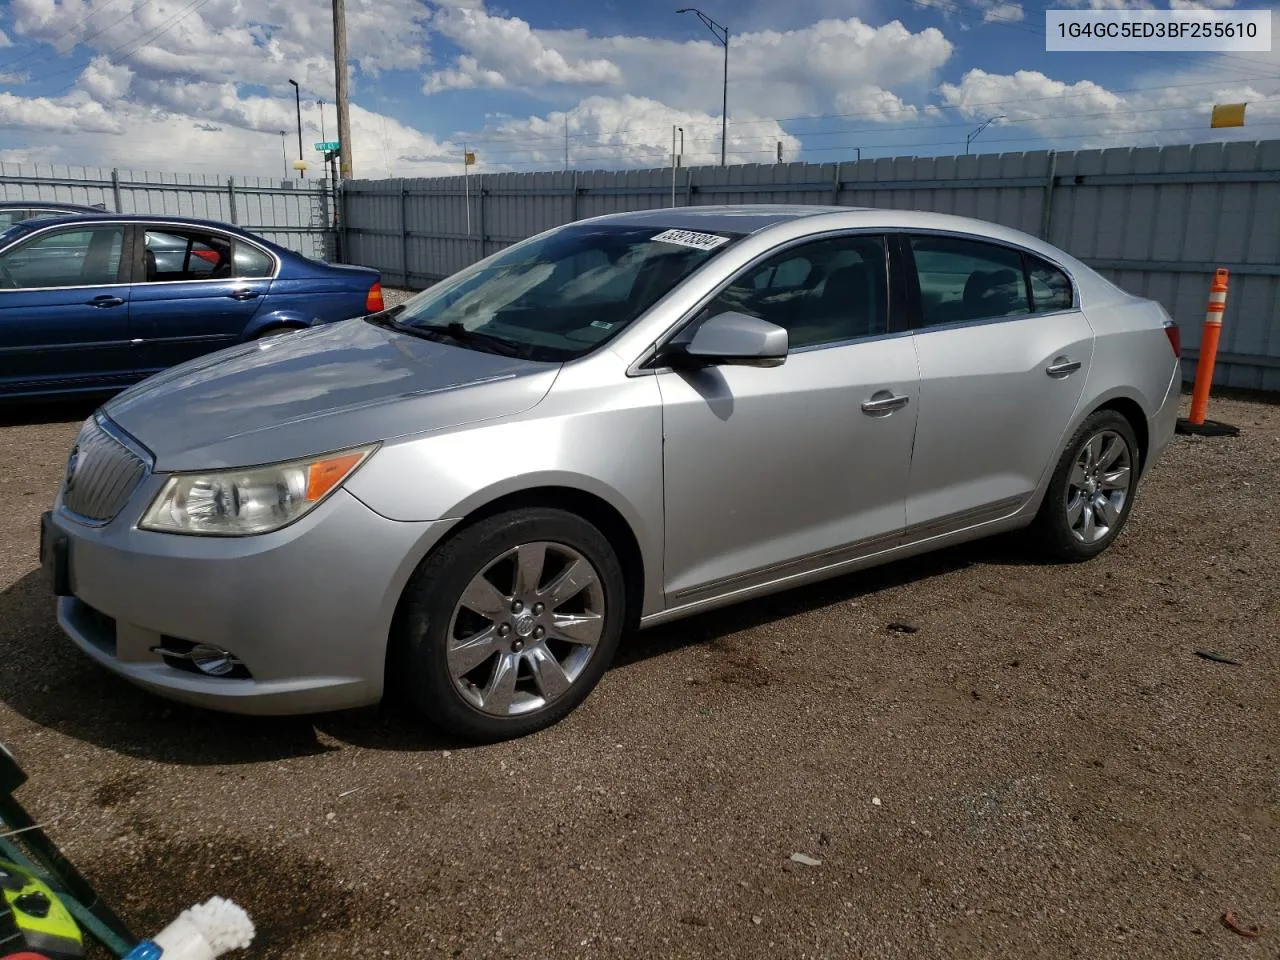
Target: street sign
(328, 146)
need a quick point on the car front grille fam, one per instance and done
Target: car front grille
(102, 473)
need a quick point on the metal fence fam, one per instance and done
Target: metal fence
(296, 215)
(1155, 220)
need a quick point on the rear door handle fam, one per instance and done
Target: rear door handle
(106, 300)
(1062, 367)
(884, 402)
(243, 294)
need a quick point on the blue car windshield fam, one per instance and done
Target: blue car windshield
(559, 296)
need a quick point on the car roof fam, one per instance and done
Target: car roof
(753, 218)
(731, 218)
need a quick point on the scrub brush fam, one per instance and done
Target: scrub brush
(203, 932)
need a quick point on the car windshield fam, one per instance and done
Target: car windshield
(559, 296)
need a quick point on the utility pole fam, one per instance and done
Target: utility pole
(320, 104)
(297, 97)
(340, 86)
(566, 141)
(284, 154)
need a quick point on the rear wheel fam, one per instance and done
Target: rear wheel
(1091, 493)
(508, 627)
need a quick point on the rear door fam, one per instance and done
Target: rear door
(1004, 352)
(64, 310)
(198, 291)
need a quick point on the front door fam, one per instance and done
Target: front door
(771, 471)
(198, 293)
(64, 311)
(1004, 354)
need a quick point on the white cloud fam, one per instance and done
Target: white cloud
(1085, 114)
(625, 131)
(104, 80)
(4, 40)
(771, 73)
(507, 52)
(44, 114)
(1003, 13)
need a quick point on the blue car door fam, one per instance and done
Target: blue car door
(64, 310)
(193, 294)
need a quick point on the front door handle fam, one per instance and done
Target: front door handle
(1062, 367)
(106, 300)
(884, 402)
(243, 294)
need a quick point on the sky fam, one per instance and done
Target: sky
(202, 86)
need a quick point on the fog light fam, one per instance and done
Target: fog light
(204, 657)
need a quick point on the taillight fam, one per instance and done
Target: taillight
(1175, 337)
(373, 302)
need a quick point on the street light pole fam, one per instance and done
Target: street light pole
(320, 104)
(297, 96)
(971, 137)
(721, 33)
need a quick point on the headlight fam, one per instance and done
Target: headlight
(240, 503)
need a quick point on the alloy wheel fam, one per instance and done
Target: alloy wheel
(1098, 486)
(525, 628)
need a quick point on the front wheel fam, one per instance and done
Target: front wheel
(1091, 493)
(507, 628)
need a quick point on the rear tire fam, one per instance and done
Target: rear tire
(508, 627)
(1091, 493)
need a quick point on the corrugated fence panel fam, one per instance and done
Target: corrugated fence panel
(1156, 220)
(296, 216)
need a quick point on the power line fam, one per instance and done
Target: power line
(85, 39)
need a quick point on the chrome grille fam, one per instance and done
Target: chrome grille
(102, 473)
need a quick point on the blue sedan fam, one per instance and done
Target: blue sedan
(93, 303)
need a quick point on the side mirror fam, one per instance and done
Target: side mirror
(732, 338)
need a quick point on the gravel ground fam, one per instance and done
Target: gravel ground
(1043, 767)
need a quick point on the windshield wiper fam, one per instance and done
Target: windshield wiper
(458, 333)
(383, 318)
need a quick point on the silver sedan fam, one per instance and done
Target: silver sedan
(473, 498)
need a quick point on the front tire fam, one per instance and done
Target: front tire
(1091, 493)
(507, 628)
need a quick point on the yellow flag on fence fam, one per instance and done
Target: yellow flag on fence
(470, 158)
(1228, 115)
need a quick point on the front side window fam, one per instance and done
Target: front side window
(827, 291)
(559, 296)
(186, 255)
(965, 280)
(88, 256)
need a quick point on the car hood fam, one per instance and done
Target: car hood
(322, 389)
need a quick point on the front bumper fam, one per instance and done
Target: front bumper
(307, 609)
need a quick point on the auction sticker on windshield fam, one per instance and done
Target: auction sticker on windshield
(691, 238)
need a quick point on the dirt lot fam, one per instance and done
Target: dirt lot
(1043, 768)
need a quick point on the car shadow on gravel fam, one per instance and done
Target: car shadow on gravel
(50, 683)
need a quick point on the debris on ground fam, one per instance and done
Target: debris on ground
(1217, 658)
(1231, 923)
(807, 860)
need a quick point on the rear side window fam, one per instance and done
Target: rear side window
(965, 280)
(175, 256)
(252, 262)
(1050, 287)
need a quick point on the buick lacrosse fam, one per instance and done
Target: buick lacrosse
(475, 496)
